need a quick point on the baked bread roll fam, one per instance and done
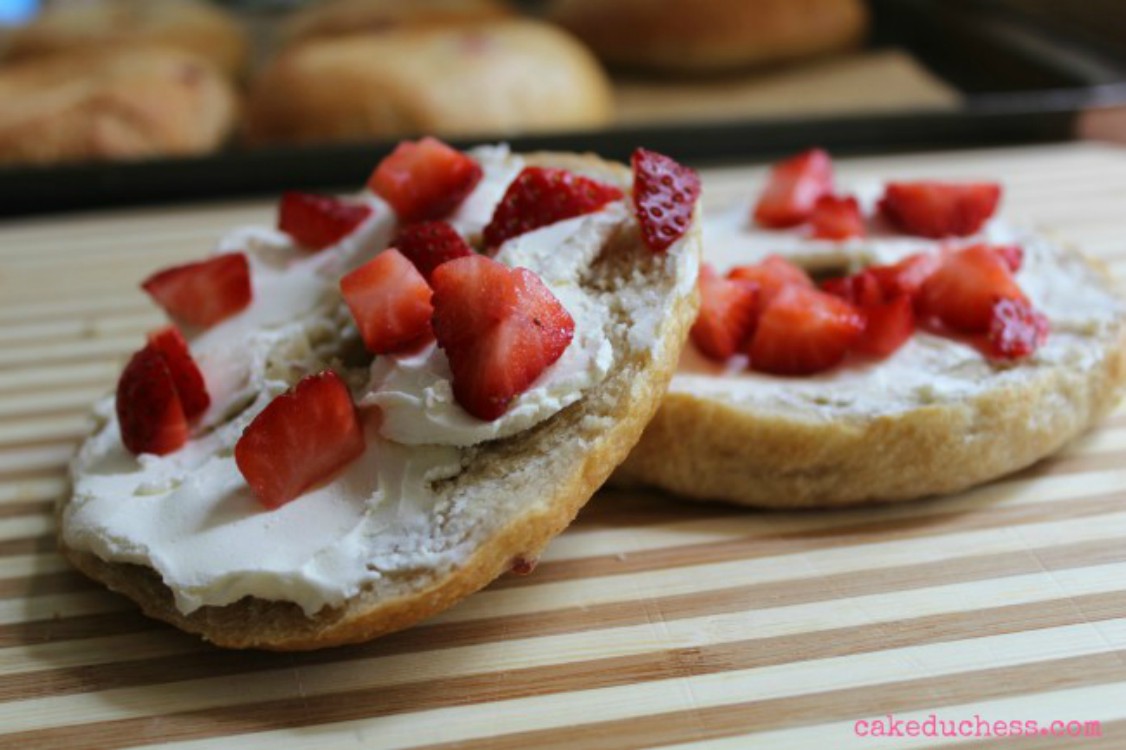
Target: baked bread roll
(495, 78)
(705, 36)
(197, 27)
(333, 18)
(410, 527)
(934, 417)
(130, 104)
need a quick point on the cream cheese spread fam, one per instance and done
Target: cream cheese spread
(190, 515)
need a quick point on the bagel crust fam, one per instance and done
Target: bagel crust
(512, 496)
(705, 445)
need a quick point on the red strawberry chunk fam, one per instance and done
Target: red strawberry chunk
(169, 343)
(938, 209)
(203, 293)
(863, 289)
(424, 180)
(319, 221)
(906, 276)
(149, 412)
(1016, 329)
(302, 437)
(500, 328)
(771, 276)
(964, 289)
(887, 326)
(836, 218)
(664, 197)
(793, 189)
(429, 244)
(540, 196)
(727, 315)
(390, 301)
(804, 331)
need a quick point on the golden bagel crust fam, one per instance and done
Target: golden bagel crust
(475, 79)
(707, 448)
(138, 102)
(555, 468)
(702, 36)
(196, 27)
(333, 18)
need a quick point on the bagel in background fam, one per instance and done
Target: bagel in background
(335, 18)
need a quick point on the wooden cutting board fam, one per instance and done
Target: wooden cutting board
(650, 622)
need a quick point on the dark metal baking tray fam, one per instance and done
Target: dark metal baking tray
(1023, 82)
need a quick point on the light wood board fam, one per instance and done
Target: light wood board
(649, 622)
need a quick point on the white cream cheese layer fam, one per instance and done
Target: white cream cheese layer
(928, 368)
(190, 515)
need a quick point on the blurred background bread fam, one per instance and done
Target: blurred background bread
(332, 18)
(482, 78)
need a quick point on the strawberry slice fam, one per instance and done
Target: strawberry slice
(319, 221)
(727, 315)
(964, 289)
(1016, 330)
(169, 343)
(664, 197)
(862, 289)
(544, 195)
(424, 180)
(906, 276)
(149, 412)
(887, 326)
(302, 437)
(939, 209)
(804, 331)
(390, 300)
(771, 276)
(793, 189)
(429, 244)
(203, 293)
(835, 218)
(500, 327)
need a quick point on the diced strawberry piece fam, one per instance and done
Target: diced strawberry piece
(319, 221)
(862, 289)
(939, 209)
(429, 244)
(424, 180)
(664, 197)
(390, 300)
(771, 275)
(1013, 255)
(794, 187)
(906, 276)
(964, 289)
(149, 412)
(170, 344)
(302, 437)
(836, 218)
(500, 327)
(727, 315)
(544, 195)
(887, 326)
(804, 331)
(204, 293)
(1016, 329)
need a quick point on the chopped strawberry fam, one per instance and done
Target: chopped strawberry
(204, 293)
(836, 218)
(429, 244)
(794, 187)
(906, 276)
(664, 197)
(424, 180)
(727, 315)
(302, 437)
(862, 289)
(964, 289)
(169, 344)
(771, 275)
(939, 209)
(149, 412)
(544, 195)
(1016, 329)
(390, 300)
(319, 221)
(1013, 255)
(804, 331)
(500, 327)
(887, 326)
